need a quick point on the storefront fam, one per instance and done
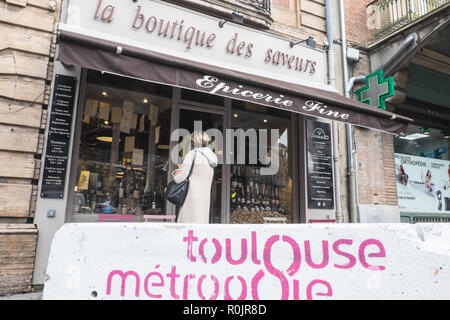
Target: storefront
(124, 163)
(133, 80)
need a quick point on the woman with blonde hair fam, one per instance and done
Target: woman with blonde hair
(195, 208)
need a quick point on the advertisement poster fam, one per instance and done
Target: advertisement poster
(423, 184)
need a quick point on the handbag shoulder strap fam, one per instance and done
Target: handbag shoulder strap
(192, 166)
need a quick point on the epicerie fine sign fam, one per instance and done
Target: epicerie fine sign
(169, 29)
(249, 262)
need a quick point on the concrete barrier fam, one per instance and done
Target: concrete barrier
(224, 262)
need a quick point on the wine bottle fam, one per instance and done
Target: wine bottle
(270, 197)
(233, 195)
(267, 202)
(256, 183)
(277, 196)
(162, 197)
(154, 200)
(242, 197)
(251, 199)
(254, 200)
(247, 197)
(234, 182)
(250, 179)
(239, 178)
(244, 178)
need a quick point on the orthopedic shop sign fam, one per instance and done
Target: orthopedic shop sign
(231, 262)
(423, 184)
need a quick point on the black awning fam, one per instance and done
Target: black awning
(101, 55)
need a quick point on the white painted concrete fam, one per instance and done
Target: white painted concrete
(155, 261)
(370, 213)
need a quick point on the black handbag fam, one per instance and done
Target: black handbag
(176, 192)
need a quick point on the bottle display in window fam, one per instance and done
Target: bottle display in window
(255, 197)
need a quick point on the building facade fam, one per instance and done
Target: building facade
(120, 86)
(27, 40)
(407, 40)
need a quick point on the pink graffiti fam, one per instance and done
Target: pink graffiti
(217, 254)
(243, 291)
(351, 258)
(216, 287)
(325, 256)
(124, 277)
(274, 271)
(309, 290)
(243, 252)
(190, 239)
(380, 254)
(177, 285)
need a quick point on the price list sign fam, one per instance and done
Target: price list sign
(320, 165)
(58, 138)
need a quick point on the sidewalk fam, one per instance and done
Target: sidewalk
(23, 296)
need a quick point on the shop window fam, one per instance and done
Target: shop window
(422, 164)
(261, 181)
(201, 97)
(124, 147)
(424, 142)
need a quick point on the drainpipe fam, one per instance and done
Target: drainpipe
(351, 156)
(331, 69)
(332, 82)
(401, 52)
(411, 39)
(352, 184)
(348, 85)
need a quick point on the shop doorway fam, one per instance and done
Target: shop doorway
(212, 120)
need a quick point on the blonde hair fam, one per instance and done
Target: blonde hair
(199, 138)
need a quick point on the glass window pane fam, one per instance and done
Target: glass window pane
(209, 121)
(424, 142)
(124, 147)
(261, 178)
(204, 98)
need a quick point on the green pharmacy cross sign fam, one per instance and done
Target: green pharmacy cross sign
(377, 89)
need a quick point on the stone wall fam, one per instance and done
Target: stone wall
(17, 254)
(27, 43)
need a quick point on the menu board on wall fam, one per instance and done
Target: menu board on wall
(423, 184)
(320, 165)
(58, 138)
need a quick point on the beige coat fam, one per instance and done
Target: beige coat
(196, 206)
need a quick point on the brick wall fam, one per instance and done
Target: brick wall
(375, 167)
(375, 150)
(27, 43)
(361, 68)
(356, 22)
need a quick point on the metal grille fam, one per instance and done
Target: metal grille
(260, 4)
(432, 219)
(391, 15)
